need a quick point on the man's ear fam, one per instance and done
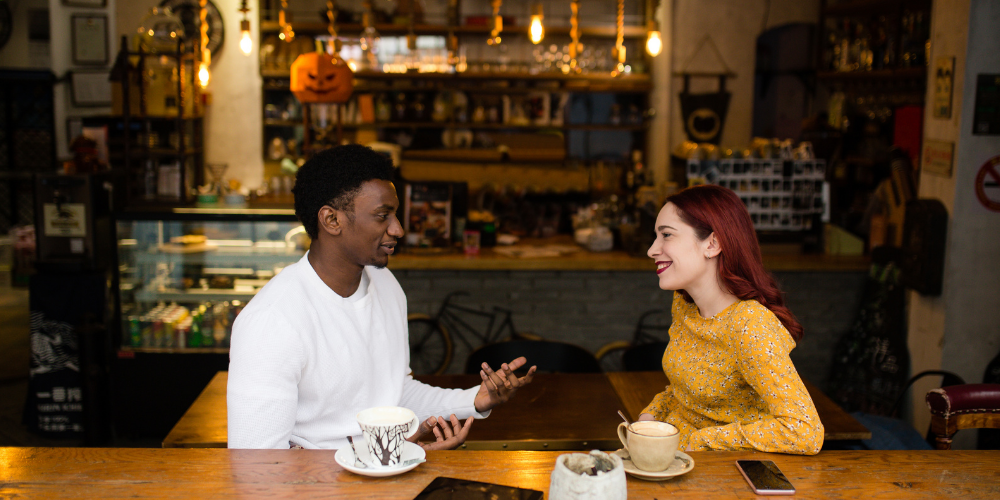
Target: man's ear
(331, 220)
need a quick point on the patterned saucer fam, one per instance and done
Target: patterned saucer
(682, 464)
(411, 452)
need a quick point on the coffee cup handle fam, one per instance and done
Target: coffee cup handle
(414, 427)
(621, 435)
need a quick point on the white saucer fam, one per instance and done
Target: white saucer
(345, 459)
(682, 464)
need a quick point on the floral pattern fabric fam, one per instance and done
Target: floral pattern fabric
(732, 383)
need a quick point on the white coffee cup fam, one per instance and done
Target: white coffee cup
(385, 429)
(650, 444)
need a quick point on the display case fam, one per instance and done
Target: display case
(183, 274)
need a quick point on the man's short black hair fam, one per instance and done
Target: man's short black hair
(334, 177)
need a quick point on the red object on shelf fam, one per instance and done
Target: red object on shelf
(508, 22)
(908, 130)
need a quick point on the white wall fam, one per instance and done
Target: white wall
(734, 26)
(233, 119)
(971, 296)
(949, 35)
(62, 61)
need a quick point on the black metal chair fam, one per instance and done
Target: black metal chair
(548, 356)
(646, 357)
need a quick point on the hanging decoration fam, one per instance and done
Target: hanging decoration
(704, 114)
(331, 16)
(620, 40)
(206, 55)
(536, 31)
(246, 43)
(574, 35)
(494, 38)
(370, 37)
(287, 33)
(323, 77)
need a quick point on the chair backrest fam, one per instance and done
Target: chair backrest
(644, 357)
(968, 406)
(547, 355)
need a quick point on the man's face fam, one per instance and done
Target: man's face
(371, 237)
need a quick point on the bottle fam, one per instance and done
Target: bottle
(207, 325)
(194, 338)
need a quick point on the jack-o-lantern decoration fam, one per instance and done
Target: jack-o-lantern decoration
(320, 77)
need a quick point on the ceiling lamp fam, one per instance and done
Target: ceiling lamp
(654, 44)
(246, 43)
(536, 31)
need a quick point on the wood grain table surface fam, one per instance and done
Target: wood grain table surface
(534, 419)
(223, 473)
(526, 422)
(636, 390)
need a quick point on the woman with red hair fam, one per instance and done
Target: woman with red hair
(732, 384)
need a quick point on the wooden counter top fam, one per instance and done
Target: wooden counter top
(299, 474)
(583, 260)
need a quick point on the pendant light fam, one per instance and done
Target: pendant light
(536, 31)
(574, 34)
(620, 40)
(370, 38)
(494, 38)
(206, 55)
(654, 43)
(246, 43)
(287, 33)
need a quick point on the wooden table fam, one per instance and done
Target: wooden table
(223, 473)
(529, 421)
(526, 422)
(636, 390)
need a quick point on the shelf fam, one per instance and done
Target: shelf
(638, 32)
(593, 82)
(487, 155)
(177, 350)
(471, 126)
(872, 7)
(914, 73)
(194, 295)
(220, 257)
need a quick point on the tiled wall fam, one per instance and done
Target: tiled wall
(593, 308)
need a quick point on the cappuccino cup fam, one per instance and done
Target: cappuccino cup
(650, 444)
(385, 429)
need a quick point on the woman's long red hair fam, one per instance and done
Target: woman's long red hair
(714, 209)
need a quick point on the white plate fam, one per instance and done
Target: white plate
(682, 464)
(345, 459)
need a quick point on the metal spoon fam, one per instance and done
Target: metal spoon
(357, 461)
(627, 421)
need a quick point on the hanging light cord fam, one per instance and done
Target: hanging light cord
(620, 36)
(574, 33)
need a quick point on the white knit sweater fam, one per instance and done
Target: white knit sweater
(304, 361)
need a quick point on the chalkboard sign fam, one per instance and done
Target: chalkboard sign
(871, 361)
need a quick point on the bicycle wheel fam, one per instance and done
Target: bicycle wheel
(430, 345)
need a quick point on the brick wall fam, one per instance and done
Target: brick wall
(593, 308)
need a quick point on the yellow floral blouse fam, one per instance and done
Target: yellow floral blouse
(732, 384)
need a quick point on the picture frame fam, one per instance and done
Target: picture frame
(90, 39)
(93, 4)
(90, 88)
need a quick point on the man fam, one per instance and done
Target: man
(327, 337)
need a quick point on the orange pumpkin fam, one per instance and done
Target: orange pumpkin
(320, 77)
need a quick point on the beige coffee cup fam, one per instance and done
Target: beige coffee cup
(650, 444)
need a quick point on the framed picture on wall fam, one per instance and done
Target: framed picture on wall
(85, 3)
(90, 39)
(90, 88)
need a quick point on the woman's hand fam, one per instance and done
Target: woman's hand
(448, 434)
(644, 417)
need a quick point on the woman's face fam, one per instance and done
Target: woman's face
(681, 258)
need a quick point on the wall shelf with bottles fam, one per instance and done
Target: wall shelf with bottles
(431, 30)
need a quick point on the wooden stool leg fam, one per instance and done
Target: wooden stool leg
(942, 442)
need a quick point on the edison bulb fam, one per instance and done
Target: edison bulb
(203, 75)
(654, 44)
(246, 44)
(536, 31)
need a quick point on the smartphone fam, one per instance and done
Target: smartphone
(764, 477)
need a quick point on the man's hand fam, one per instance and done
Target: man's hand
(448, 434)
(500, 386)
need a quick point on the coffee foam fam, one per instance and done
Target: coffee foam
(652, 428)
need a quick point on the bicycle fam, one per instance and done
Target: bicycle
(431, 343)
(654, 320)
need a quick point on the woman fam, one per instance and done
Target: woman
(732, 384)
